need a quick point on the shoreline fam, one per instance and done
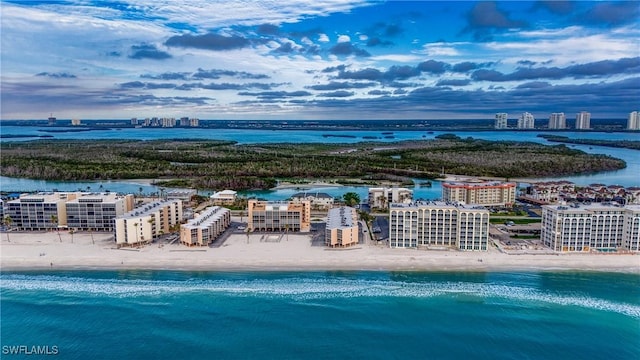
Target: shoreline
(44, 252)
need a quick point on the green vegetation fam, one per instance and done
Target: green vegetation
(351, 199)
(222, 164)
(628, 144)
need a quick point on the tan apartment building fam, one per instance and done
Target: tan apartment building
(342, 227)
(318, 200)
(437, 224)
(382, 197)
(206, 227)
(41, 211)
(491, 193)
(279, 216)
(141, 225)
(592, 227)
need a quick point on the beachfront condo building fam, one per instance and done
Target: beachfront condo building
(279, 216)
(438, 225)
(591, 227)
(41, 211)
(205, 227)
(557, 121)
(490, 193)
(583, 120)
(526, 121)
(342, 227)
(382, 197)
(633, 123)
(97, 211)
(500, 121)
(141, 225)
(318, 200)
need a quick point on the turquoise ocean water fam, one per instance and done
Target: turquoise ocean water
(322, 315)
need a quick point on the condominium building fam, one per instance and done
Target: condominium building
(41, 211)
(597, 226)
(438, 225)
(557, 121)
(76, 122)
(342, 227)
(382, 197)
(633, 123)
(97, 211)
(583, 120)
(526, 121)
(206, 227)
(501, 121)
(318, 200)
(491, 193)
(143, 224)
(279, 216)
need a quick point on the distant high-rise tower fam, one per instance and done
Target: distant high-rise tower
(134, 121)
(583, 120)
(557, 121)
(634, 121)
(194, 122)
(76, 122)
(526, 121)
(501, 121)
(51, 120)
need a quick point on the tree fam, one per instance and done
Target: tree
(351, 198)
(7, 222)
(54, 222)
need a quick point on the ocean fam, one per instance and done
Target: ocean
(322, 315)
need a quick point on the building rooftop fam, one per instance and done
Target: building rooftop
(478, 185)
(436, 204)
(97, 198)
(575, 207)
(207, 217)
(147, 209)
(341, 217)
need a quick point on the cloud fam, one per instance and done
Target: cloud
(217, 73)
(379, 92)
(526, 62)
(60, 75)
(334, 69)
(276, 94)
(612, 13)
(402, 72)
(208, 42)
(347, 48)
(344, 38)
(146, 51)
(337, 85)
(339, 93)
(453, 82)
(364, 74)
(467, 66)
(485, 19)
(167, 76)
(433, 67)
(323, 38)
(599, 68)
(133, 85)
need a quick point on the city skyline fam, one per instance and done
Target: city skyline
(318, 60)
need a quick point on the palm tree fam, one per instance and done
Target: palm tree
(140, 191)
(7, 222)
(54, 221)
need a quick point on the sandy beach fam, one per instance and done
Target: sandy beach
(27, 251)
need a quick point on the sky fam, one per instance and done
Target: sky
(318, 59)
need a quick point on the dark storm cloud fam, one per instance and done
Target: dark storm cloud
(526, 63)
(60, 75)
(533, 85)
(285, 48)
(268, 29)
(453, 82)
(334, 68)
(612, 13)
(599, 68)
(379, 92)
(208, 42)
(339, 93)
(167, 76)
(146, 51)
(485, 18)
(337, 85)
(433, 67)
(364, 74)
(132, 85)
(559, 7)
(401, 72)
(143, 85)
(347, 48)
(160, 86)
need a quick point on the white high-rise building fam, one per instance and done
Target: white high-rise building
(438, 225)
(583, 120)
(143, 224)
(526, 121)
(557, 121)
(501, 121)
(634, 121)
(600, 227)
